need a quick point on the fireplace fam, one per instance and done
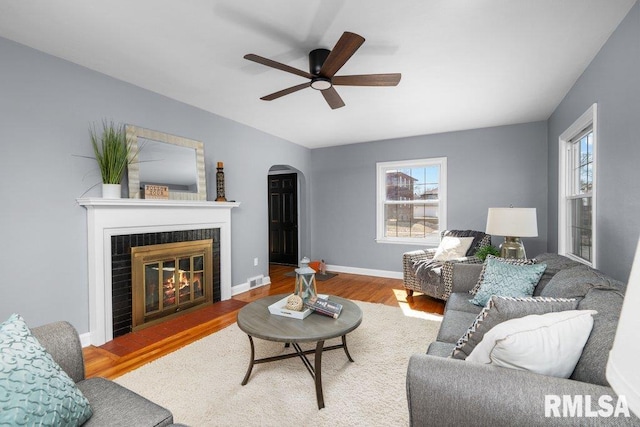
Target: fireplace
(114, 227)
(170, 279)
(156, 276)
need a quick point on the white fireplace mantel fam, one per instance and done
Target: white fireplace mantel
(114, 217)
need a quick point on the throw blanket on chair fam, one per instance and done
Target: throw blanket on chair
(428, 270)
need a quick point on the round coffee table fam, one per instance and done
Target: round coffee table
(256, 321)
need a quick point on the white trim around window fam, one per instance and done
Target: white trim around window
(413, 204)
(568, 181)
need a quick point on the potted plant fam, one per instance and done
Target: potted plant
(487, 250)
(111, 150)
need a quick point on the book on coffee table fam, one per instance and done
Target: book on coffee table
(324, 306)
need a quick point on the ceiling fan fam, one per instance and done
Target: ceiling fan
(323, 65)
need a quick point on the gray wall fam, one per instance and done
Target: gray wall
(613, 81)
(46, 107)
(490, 167)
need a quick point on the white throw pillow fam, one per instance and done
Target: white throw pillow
(548, 344)
(452, 247)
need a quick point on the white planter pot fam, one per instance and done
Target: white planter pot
(111, 191)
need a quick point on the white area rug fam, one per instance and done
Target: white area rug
(200, 383)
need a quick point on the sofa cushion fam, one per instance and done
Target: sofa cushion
(505, 279)
(114, 405)
(555, 263)
(501, 309)
(511, 261)
(575, 282)
(547, 344)
(599, 292)
(459, 301)
(454, 324)
(440, 349)
(592, 365)
(34, 389)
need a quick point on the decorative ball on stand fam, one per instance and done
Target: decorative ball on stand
(294, 303)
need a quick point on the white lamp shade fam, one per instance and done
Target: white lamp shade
(512, 222)
(622, 368)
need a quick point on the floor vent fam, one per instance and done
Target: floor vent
(255, 281)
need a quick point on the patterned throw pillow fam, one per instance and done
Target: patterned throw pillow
(501, 309)
(512, 261)
(34, 390)
(508, 280)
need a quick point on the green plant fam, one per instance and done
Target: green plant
(111, 151)
(487, 250)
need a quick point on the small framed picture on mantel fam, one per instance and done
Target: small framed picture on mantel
(158, 192)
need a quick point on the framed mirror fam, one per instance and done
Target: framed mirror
(164, 159)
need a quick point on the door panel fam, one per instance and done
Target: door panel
(283, 219)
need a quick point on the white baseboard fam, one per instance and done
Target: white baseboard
(365, 271)
(244, 287)
(85, 339)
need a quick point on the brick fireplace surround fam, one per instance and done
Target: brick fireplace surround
(107, 218)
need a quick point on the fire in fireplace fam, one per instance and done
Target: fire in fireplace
(170, 278)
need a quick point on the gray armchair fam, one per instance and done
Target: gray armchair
(438, 280)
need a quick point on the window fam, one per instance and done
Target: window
(412, 201)
(576, 216)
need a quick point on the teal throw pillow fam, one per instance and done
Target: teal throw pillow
(34, 390)
(507, 280)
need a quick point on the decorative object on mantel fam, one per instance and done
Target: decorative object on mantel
(167, 160)
(113, 152)
(156, 192)
(305, 281)
(220, 183)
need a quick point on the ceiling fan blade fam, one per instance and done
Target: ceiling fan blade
(332, 98)
(368, 80)
(342, 51)
(284, 92)
(277, 65)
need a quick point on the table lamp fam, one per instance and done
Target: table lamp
(512, 223)
(622, 367)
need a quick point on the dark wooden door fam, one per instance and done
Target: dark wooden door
(283, 219)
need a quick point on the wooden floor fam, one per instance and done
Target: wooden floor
(133, 350)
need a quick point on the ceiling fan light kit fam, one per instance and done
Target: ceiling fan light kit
(321, 83)
(323, 65)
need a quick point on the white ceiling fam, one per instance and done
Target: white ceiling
(464, 64)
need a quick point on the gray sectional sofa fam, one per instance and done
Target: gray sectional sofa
(112, 404)
(446, 391)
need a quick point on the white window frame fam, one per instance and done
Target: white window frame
(589, 118)
(381, 196)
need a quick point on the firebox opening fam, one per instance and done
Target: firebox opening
(170, 279)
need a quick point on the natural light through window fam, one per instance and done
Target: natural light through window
(577, 178)
(401, 297)
(411, 201)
